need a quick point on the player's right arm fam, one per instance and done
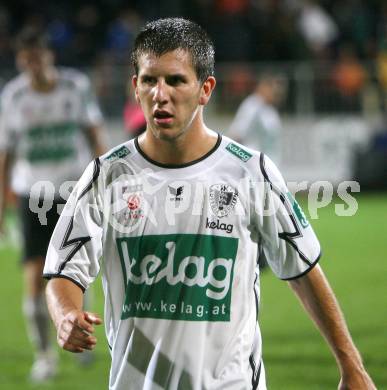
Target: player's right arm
(7, 146)
(72, 264)
(74, 326)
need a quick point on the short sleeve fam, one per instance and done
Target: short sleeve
(8, 138)
(76, 244)
(288, 242)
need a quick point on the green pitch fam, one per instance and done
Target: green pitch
(354, 258)
(16, 353)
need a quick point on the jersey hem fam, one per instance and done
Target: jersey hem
(54, 276)
(306, 271)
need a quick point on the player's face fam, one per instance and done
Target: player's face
(35, 62)
(170, 93)
(277, 91)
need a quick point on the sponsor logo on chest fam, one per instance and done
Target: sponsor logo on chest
(219, 226)
(178, 276)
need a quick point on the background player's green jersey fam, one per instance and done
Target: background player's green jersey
(45, 131)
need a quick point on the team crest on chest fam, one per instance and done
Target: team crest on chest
(132, 195)
(133, 202)
(223, 198)
(127, 207)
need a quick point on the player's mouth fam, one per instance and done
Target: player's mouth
(162, 117)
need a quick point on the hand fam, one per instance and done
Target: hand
(357, 381)
(74, 333)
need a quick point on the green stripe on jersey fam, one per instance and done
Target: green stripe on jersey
(53, 142)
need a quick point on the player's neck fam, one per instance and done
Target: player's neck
(45, 82)
(189, 147)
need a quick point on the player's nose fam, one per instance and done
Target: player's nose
(160, 92)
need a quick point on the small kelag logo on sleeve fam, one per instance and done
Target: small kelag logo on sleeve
(178, 276)
(298, 211)
(122, 152)
(239, 152)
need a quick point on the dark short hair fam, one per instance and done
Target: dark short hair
(164, 35)
(31, 38)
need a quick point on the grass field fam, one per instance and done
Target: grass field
(354, 258)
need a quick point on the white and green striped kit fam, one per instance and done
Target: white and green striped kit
(45, 131)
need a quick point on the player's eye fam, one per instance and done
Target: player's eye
(175, 80)
(148, 80)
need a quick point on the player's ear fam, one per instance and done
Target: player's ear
(206, 90)
(134, 83)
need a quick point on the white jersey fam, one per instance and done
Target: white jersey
(45, 131)
(259, 125)
(178, 250)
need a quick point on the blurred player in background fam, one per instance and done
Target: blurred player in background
(50, 128)
(175, 221)
(257, 123)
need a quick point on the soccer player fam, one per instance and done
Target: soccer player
(50, 129)
(175, 221)
(257, 123)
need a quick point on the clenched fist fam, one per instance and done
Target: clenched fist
(75, 331)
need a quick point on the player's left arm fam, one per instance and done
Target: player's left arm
(96, 139)
(319, 301)
(92, 118)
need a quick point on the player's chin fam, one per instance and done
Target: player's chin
(168, 133)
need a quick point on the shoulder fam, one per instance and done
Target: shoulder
(256, 164)
(116, 162)
(119, 152)
(15, 88)
(270, 172)
(239, 153)
(73, 78)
